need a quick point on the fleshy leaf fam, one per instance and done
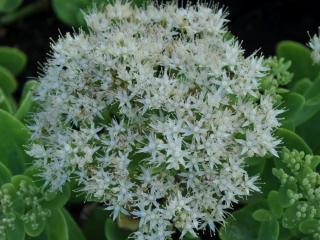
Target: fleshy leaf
(14, 136)
(309, 226)
(5, 174)
(57, 228)
(274, 204)
(60, 199)
(292, 140)
(4, 102)
(302, 86)
(18, 232)
(35, 231)
(261, 215)
(12, 59)
(301, 63)
(293, 103)
(69, 11)
(310, 132)
(74, 231)
(9, 5)
(269, 230)
(93, 226)
(113, 232)
(24, 107)
(8, 83)
(241, 225)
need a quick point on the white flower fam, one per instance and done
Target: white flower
(153, 113)
(314, 44)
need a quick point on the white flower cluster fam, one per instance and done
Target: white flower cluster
(314, 44)
(153, 112)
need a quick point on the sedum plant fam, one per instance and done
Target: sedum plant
(153, 112)
(288, 209)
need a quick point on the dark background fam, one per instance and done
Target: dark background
(258, 24)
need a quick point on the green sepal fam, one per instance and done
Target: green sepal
(12, 59)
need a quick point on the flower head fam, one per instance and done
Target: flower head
(153, 112)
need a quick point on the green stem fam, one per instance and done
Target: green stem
(24, 12)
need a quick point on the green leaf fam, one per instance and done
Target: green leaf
(293, 141)
(309, 226)
(5, 174)
(4, 102)
(93, 226)
(13, 138)
(74, 231)
(241, 226)
(33, 231)
(261, 215)
(293, 103)
(28, 87)
(314, 90)
(69, 11)
(301, 63)
(113, 232)
(269, 230)
(12, 59)
(8, 83)
(57, 228)
(60, 199)
(9, 5)
(302, 86)
(18, 232)
(17, 179)
(310, 132)
(25, 107)
(189, 236)
(10, 190)
(255, 165)
(275, 204)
